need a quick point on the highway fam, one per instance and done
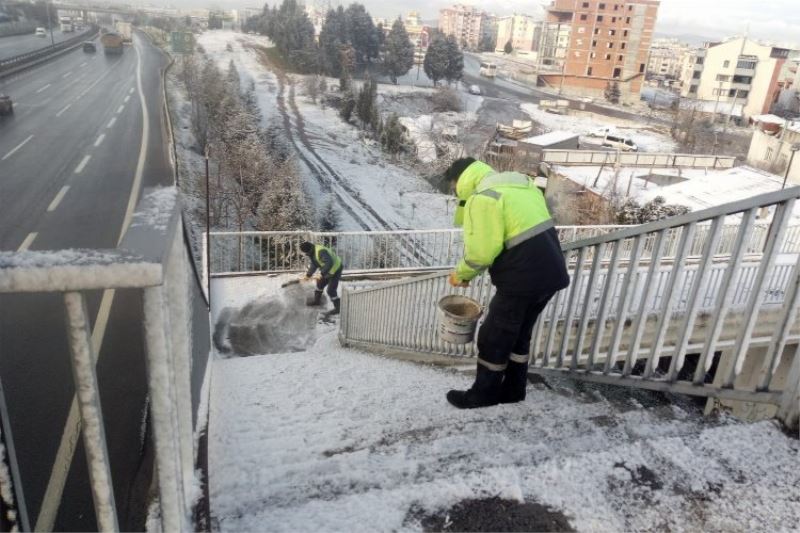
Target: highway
(86, 137)
(20, 44)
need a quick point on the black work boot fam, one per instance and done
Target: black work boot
(514, 382)
(337, 304)
(484, 392)
(317, 300)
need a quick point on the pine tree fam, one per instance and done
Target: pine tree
(508, 48)
(348, 105)
(612, 92)
(366, 102)
(455, 61)
(393, 135)
(399, 52)
(436, 58)
(329, 218)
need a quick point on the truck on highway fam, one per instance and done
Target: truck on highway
(66, 24)
(6, 105)
(112, 43)
(125, 30)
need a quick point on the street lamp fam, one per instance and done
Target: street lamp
(50, 23)
(793, 148)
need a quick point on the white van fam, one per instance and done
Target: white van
(41, 32)
(620, 143)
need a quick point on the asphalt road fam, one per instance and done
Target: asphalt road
(502, 88)
(69, 164)
(20, 44)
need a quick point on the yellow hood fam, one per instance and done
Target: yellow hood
(467, 183)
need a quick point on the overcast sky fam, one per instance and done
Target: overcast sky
(774, 20)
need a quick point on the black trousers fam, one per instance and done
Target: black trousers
(509, 324)
(332, 283)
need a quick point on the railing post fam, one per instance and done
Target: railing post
(789, 410)
(88, 394)
(162, 405)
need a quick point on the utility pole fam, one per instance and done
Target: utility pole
(793, 149)
(208, 233)
(50, 24)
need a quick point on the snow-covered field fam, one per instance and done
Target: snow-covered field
(588, 125)
(377, 193)
(331, 439)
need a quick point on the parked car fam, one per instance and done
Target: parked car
(620, 143)
(40, 32)
(474, 89)
(6, 106)
(89, 46)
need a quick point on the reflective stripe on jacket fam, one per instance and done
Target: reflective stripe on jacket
(501, 211)
(337, 261)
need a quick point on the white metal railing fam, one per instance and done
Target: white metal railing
(636, 159)
(372, 251)
(163, 275)
(623, 319)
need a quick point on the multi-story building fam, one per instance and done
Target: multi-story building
(522, 31)
(775, 146)
(737, 71)
(466, 23)
(667, 58)
(589, 44)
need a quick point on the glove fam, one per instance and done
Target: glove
(455, 282)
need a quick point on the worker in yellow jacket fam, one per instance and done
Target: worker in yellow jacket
(509, 232)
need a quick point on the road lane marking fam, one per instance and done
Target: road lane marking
(69, 439)
(82, 64)
(63, 109)
(67, 75)
(57, 200)
(119, 109)
(111, 122)
(131, 90)
(127, 98)
(99, 140)
(27, 242)
(43, 88)
(17, 147)
(82, 164)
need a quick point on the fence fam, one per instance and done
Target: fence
(636, 159)
(625, 322)
(270, 252)
(154, 261)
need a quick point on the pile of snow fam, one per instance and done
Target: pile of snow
(590, 126)
(336, 440)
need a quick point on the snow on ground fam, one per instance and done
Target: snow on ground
(370, 182)
(589, 125)
(331, 439)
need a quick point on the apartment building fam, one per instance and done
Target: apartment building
(466, 23)
(667, 58)
(775, 145)
(588, 44)
(737, 71)
(523, 31)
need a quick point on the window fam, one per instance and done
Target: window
(609, 45)
(592, 55)
(597, 31)
(696, 75)
(630, 7)
(616, 7)
(743, 79)
(627, 20)
(641, 68)
(601, 6)
(620, 57)
(589, 71)
(693, 88)
(599, 18)
(699, 61)
(723, 77)
(768, 155)
(594, 44)
(625, 33)
(579, 42)
(613, 19)
(726, 64)
(584, 16)
(617, 72)
(581, 29)
(622, 45)
(577, 54)
(612, 32)
(608, 57)
(586, 4)
(746, 64)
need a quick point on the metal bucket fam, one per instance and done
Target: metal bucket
(458, 318)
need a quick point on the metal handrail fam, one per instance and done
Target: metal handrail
(627, 314)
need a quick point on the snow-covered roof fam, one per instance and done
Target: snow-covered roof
(553, 137)
(768, 119)
(696, 188)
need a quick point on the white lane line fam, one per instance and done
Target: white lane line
(69, 439)
(58, 198)
(40, 89)
(27, 242)
(99, 140)
(111, 122)
(82, 164)
(17, 147)
(120, 108)
(63, 109)
(127, 98)
(67, 75)
(131, 90)
(82, 64)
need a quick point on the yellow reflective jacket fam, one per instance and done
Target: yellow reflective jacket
(500, 211)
